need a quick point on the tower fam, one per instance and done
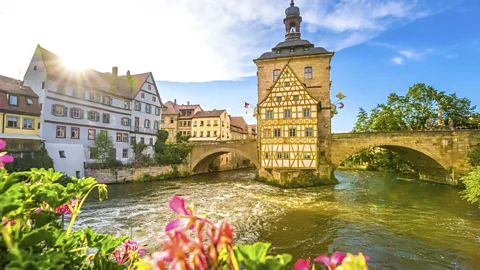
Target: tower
(293, 111)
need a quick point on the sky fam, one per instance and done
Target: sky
(202, 51)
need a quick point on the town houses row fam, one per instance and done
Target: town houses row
(65, 109)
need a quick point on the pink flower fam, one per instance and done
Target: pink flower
(126, 250)
(331, 263)
(302, 265)
(186, 219)
(4, 158)
(64, 209)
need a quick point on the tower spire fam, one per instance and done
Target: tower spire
(292, 4)
(292, 22)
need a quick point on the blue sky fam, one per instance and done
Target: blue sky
(202, 50)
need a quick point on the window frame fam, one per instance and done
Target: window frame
(125, 153)
(292, 132)
(277, 134)
(17, 120)
(10, 100)
(59, 128)
(33, 123)
(269, 114)
(108, 118)
(71, 133)
(285, 113)
(306, 132)
(308, 75)
(92, 134)
(307, 113)
(275, 76)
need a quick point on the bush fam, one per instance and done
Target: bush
(174, 153)
(474, 156)
(472, 186)
(31, 159)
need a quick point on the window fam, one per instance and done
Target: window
(99, 98)
(214, 133)
(309, 132)
(286, 84)
(171, 120)
(13, 100)
(75, 133)
(125, 121)
(306, 113)
(308, 73)
(43, 85)
(124, 153)
(295, 98)
(77, 174)
(277, 132)
(142, 140)
(119, 137)
(61, 131)
(157, 111)
(29, 101)
(125, 137)
(147, 123)
(138, 105)
(266, 154)
(208, 123)
(62, 154)
(285, 155)
(28, 123)
(149, 87)
(276, 73)
(155, 125)
(279, 155)
(292, 132)
(34, 68)
(106, 118)
(126, 104)
(75, 92)
(269, 114)
(201, 133)
(12, 122)
(287, 114)
(91, 134)
(143, 95)
(279, 99)
(132, 140)
(154, 99)
(59, 110)
(162, 121)
(208, 133)
(148, 108)
(61, 88)
(307, 156)
(151, 141)
(266, 133)
(93, 116)
(194, 134)
(91, 96)
(92, 154)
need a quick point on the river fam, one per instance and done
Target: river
(399, 224)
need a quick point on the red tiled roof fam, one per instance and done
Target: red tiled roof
(170, 108)
(205, 114)
(239, 122)
(12, 86)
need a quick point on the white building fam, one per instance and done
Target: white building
(77, 105)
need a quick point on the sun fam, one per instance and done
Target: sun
(75, 63)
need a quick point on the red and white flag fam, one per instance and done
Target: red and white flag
(247, 104)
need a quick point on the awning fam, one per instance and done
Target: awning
(20, 137)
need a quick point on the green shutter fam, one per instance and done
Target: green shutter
(65, 111)
(98, 116)
(53, 109)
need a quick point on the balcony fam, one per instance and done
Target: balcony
(143, 130)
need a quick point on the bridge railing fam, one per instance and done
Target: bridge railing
(223, 142)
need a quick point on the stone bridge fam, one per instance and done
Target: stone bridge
(438, 156)
(205, 153)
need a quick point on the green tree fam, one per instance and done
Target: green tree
(362, 124)
(474, 156)
(103, 148)
(138, 154)
(180, 138)
(29, 160)
(472, 186)
(162, 136)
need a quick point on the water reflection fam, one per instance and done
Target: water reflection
(400, 224)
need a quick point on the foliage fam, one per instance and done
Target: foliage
(378, 159)
(255, 257)
(103, 148)
(174, 174)
(411, 112)
(180, 138)
(474, 156)
(138, 155)
(162, 136)
(32, 238)
(111, 164)
(31, 159)
(472, 186)
(174, 153)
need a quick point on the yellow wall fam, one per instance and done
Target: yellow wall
(20, 130)
(170, 128)
(197, 128)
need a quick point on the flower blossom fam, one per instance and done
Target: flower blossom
(303, 265)
(4, 158)
(186, 219)
(127, 250)
(338, 257)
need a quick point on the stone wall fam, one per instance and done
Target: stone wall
(112, 176)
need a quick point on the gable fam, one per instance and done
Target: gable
(288, 90)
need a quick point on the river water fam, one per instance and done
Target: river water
(400, 224)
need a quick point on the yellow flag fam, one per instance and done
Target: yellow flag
(340, 95)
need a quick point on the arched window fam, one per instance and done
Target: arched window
(292, 29)
(308, 73)
(276, 73)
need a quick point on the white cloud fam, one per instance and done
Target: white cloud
(397, 60)
(182, 40)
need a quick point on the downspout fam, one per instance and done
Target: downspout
(3, 124)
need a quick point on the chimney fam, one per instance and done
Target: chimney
(188, 102)
(174, 102)
(113, 83)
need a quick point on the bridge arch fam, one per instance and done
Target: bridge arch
(204, 155)
(431, 164)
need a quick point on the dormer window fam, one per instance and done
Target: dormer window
(278, 51)
(13, 100)
(306, 49)
(29, 101)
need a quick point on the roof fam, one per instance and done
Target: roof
(14, 87)
(90, 78)
(205, 114)
(299, 46)
(171, 108)
(238, 121)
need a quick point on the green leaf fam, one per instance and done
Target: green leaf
(36, 237)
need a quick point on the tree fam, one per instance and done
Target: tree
(472, 186)
(103, 148)
(362, 121)
(138, 155)
(35, 159)
(162, 136)
(180, 138)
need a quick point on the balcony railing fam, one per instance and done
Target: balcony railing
(144, 130)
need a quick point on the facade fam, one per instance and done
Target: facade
(185, 117)
(211, 126)
(19, 116)
(170, 120)
(78, 105)
(293, 112)
(238, 128)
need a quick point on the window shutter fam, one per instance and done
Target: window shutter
(98, 116)
(81, 114)
(65, 111)
(53, 109)
(71, 112)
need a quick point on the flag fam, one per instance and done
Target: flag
(341, 105)
(247, 105)
(340, 95)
